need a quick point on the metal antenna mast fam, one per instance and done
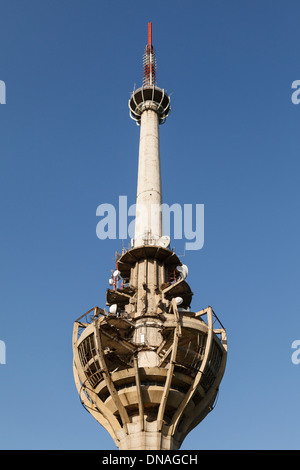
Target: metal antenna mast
(149, 61)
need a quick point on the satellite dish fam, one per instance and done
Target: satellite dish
(184, 309)
(178, 300)
(111, 282)
(183, 271)
(113, 309)
(164, 241)
(116, 273)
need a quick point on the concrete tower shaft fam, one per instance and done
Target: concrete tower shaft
(148, 222)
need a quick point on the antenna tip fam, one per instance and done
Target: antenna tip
(149, 34)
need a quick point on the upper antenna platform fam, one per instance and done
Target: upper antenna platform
(149, 96)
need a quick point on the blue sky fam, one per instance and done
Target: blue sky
(68, 145)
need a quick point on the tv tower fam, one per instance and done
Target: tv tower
(148, 369)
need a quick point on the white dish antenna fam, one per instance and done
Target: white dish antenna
(164, 241)
(183, 271)
(113, 309)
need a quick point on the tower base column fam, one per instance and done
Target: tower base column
(147, 439)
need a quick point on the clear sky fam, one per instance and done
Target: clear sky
(68, 145)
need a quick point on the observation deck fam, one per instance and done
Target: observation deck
(149, 407)
(149, 97)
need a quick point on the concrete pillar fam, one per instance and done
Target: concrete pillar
(148, 334)
(148, 222)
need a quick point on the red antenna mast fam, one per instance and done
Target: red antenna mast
(149, 62)
(149, 34)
